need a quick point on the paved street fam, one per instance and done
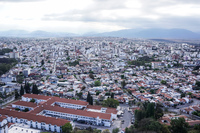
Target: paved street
(116, 124)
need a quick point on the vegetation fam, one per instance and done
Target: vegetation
(35, 89)
(67, 128)
(91, 76)
(123, 84)
(74, 63)
(110, 102)
(89, 99)
(116, 130)
(141, 61)
(5, 50)
(32, 100)
(97, 83)
(87, 130)
(179, 125)
(6, 64)
(163, 82)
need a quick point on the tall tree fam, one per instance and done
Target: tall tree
(179, 125)
(27, 87)
(91, 100)
(21, 90)
(123, 84)
(112, 95)
(16, 94)
(88, 97)
(42, 62)
(35, 89)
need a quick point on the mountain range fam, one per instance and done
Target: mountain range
(127, 33)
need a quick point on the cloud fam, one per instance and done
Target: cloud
(16, 1)
(104, 13)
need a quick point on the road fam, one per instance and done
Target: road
(116, 124)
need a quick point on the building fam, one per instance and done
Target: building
(3, 124)
(69, 109)
(34, 121)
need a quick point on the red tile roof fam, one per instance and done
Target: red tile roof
(27, 104)
(35, 96)
(38, 118)
(78, 112)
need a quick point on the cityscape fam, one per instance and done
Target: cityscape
(99, 66)
(97, 84)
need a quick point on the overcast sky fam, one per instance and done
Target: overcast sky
(80, 16)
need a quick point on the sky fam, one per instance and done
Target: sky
(83, 16)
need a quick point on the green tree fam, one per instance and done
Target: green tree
(91, 100)
(97, 83)
(165, 129)
(115, 130)
(178, 125)
(79, 94)
(163, 82)
(197, 83)
(22, 90)
(16, 94)
(91, 76)
(150, 110)
(158, 112)
(67, 128)
(32, 100)
(88, 97)
(139, 115)
(123, 84)
(106, 131)
(42, 62)
(149, 124)
(27, 87)
(112, 95)
(110, 102)
(35, 89)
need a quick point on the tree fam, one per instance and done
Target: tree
(179, 125)
(112, 95)
(91, 76)
(27, 87)
(67, 128)
(165, 129)
(123, 84)
(97, 83)
(79, 94)
(116, 130)
(197, 83)
(163, 82)
(149, 124)
(42, 62)
(16, 94)
(106, 131)
(139, 115)
(32, 100)
(158, 112)
(150, 110)
(110, 103)
(91, 100)
(35, 89)
(88, 97)
(21, 90)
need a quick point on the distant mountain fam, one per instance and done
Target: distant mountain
(152, 33)
(39, 33)
(127, 33)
